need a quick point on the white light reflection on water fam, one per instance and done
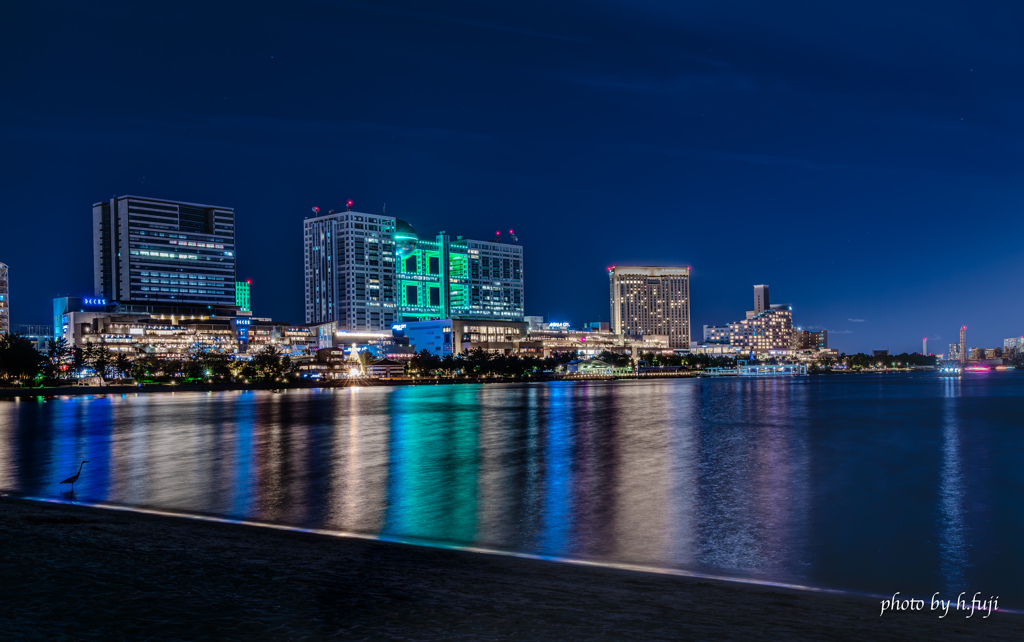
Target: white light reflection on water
(952, 529)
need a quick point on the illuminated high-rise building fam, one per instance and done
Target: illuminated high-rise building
(651, 300)
(5, 304)
(369, 272)
(350, 270)
(158, 252)
(963, 345)
(954, 352)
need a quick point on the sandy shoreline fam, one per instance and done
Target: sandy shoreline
(72, 572)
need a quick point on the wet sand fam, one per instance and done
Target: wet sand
(76, 572)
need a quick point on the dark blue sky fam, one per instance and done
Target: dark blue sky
(864, 159)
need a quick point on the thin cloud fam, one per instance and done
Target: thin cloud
(840, 331)
(856, 320)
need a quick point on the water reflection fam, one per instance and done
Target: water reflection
(802, 480)
(753, 499)
(952, 528)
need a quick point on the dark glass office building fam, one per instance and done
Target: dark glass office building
(157, 252)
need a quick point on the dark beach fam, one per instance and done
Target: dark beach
(77, 572)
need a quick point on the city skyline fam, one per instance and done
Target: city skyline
(777, 149)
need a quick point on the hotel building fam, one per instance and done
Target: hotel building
(159, 253)
(807, 340)
(651, 301)
(764, 331)
(5, 304)
(368, 272)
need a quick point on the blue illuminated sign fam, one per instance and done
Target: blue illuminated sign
(95, 301)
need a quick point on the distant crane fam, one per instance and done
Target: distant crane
(72, 479)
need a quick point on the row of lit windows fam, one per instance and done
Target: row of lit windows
(212, 246)
(173, 275)
(146, 288)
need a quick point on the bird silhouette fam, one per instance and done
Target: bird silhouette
(72, 479)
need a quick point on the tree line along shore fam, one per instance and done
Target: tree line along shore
(61, 365)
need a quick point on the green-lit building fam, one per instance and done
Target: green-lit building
(444, 278)
(242, 295)
(369, 272)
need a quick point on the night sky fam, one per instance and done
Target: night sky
(866, 160)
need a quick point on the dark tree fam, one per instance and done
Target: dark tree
(20, 362)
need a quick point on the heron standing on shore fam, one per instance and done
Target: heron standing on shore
(72, 479)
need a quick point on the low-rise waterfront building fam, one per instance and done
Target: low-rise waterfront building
(86, 321)
(385, 369)
(589, 366)
(452, 336)
(591, 343)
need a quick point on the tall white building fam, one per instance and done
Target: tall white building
(154, 251)
(350, 270)
(651, 300)
(5, 304)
